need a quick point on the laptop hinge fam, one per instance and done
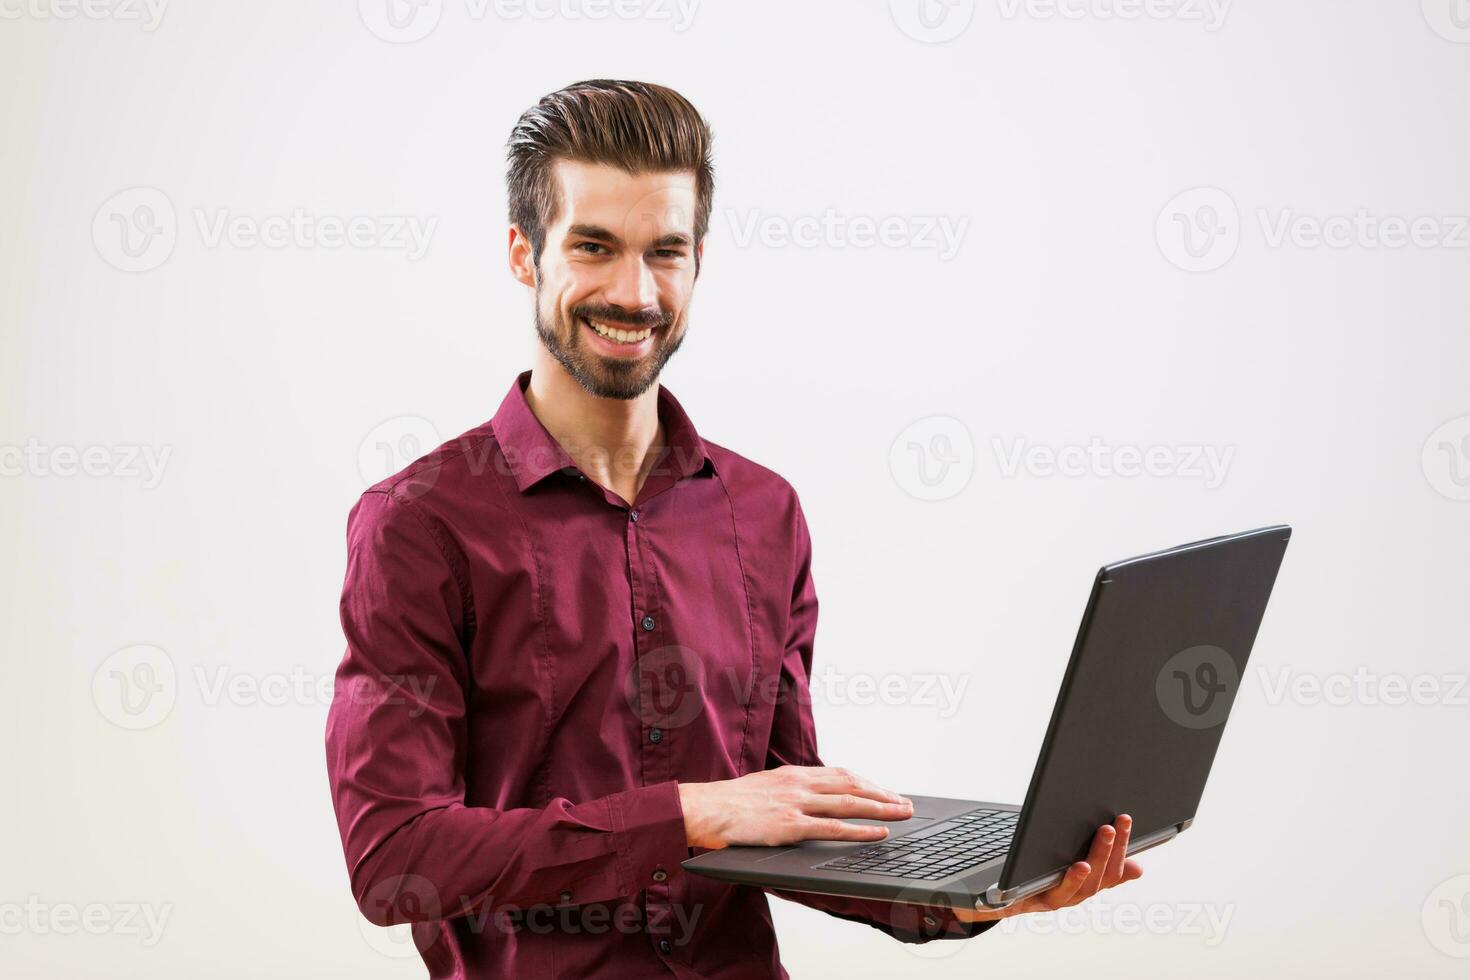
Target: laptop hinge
(996, 897)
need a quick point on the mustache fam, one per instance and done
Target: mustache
(652, 317)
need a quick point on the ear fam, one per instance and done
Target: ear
(521, 257)
(698, 258)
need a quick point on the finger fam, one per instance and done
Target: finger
(1114, 872)
(852, 805)
(1064, 892)
(835, 780)
(1132, 871)
(830, 828)
(1098, 856)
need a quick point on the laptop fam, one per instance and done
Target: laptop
(1155, 669)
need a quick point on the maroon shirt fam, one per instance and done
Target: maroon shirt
(532, 666)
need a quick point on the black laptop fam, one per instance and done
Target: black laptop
(1158, 660)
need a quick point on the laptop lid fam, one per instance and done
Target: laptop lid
(1158, 660)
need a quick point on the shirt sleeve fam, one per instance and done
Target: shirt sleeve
(396, 748)
(794, 742)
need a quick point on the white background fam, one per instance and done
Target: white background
(1334, 827)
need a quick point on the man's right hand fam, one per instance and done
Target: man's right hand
(786, 805)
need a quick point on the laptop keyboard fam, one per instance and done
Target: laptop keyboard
(937, 851)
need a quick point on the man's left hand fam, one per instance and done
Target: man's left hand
(1106, 866)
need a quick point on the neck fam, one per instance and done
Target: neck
(614, 441)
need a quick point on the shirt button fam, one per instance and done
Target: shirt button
(648, 623)
(633, 516)
(930, 921)
(659, 874)
(665, 947)
(566, 897)
(656, 735)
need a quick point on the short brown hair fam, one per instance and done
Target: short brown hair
(638, 127)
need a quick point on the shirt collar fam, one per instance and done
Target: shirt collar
(532, 454)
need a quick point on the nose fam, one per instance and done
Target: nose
(630, 285)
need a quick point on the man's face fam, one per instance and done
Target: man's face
(616, 275)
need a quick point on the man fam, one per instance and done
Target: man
(579, 637)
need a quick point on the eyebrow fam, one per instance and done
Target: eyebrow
(600, 234)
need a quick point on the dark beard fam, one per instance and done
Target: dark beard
(607, 377)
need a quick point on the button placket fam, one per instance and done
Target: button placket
(657, 765)
(654, 748)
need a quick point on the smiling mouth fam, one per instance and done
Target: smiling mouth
(617, 335)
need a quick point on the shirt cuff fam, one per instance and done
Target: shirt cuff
(648, 824)
(940, 923)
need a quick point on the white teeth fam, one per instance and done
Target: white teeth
(621, 336)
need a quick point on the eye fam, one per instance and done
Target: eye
(669, 253)
(591, 248)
